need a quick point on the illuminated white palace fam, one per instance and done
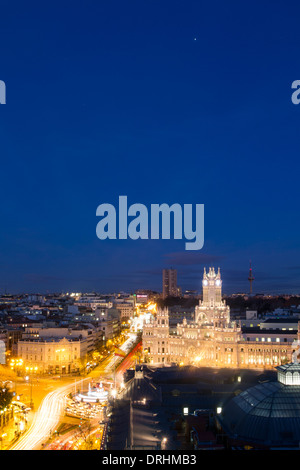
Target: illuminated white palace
(211, 339)
(212, 310)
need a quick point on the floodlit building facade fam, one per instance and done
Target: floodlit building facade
(53, 355)
(211, 338)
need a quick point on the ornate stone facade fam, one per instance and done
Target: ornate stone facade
(211, 339)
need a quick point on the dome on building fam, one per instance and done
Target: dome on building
(268, 414)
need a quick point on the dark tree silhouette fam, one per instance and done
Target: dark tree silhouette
(5, 398)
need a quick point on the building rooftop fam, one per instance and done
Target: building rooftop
(267, 414)
(52, 339)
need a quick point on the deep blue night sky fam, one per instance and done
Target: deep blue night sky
(162, 101)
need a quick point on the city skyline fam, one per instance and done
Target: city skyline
(149, 248)
(185, 287)
(160, 102)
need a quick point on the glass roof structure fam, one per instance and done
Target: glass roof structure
(268, 413)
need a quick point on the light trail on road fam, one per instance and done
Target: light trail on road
(49, 413)
(45, 420)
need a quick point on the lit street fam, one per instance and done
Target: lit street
(45, 420)
(48, 415)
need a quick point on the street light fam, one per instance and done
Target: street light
(164, 442)
(29, 378)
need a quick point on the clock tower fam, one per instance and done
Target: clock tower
(212, 309)
(212, 288)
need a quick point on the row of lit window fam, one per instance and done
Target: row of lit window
(269, 340)
(57, 358)
(264, 350)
